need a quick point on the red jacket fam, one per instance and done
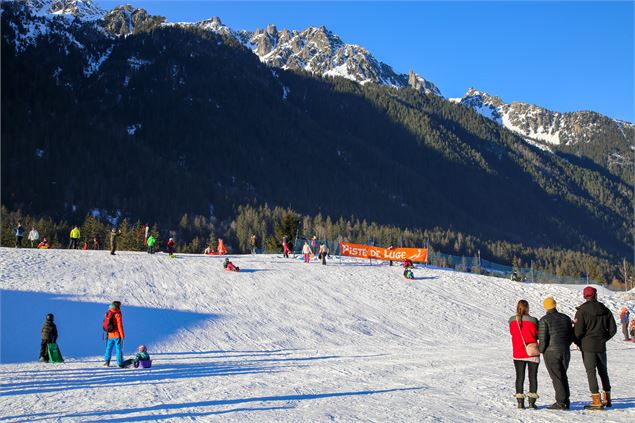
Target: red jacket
(170, 243)
(118, 332)
(529, 327)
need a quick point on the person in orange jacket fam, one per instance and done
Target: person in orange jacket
(113, 325)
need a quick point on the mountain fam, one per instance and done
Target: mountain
(82, 9)
(176, 118)
(585, 133)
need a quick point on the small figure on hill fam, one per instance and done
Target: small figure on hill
(34, 237)
(113, 325)
(114, 233)
(170, 246)
(95, 243)
(322, 253)
(221, 247)
(285, 247)
(524, 331)
(306, 252)
(19, 234)
(44, 245)
(141, 357)
(390, 248)
(48, 336)
(228, 265)
(150, 241)
(208, 251)
(74, 239)
(314, 244)
(594, 326)
(252, 244)
(624, 317)
(555, 333)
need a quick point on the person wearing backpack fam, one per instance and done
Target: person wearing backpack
(113, 325)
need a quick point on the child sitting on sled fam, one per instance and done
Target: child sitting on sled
(407, 264)
(228, 265)
(141, 358)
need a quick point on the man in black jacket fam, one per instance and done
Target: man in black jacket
(594, 326)
(49, 335)
(555, 335)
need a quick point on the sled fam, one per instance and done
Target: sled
(232, 270)
(144, 364)
(55, 356)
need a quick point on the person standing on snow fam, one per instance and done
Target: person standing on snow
(150, 243)
(19, 234)
(34, 237)
(555, 335)
(48, 336)
(170, 246)
(524, 331)
(624, 317)
(314, 244)
(74, 239)
(113, 240)
(113, 325)
(322, 252)
(285, 247)
(306, 252)
(594, 326)
(252, 243)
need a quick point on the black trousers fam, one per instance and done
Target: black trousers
(44, 352)
(74, 244)
(593, 361)
(557, 364)
(520, 366)
(18, 241)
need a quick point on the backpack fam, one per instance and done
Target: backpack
(109, 321)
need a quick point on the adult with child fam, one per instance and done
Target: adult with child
(74, 239)
(34, 237)
(113, 325)
(524, 331)
(555, 335)
(594, 326)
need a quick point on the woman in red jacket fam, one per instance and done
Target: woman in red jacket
(524, 331)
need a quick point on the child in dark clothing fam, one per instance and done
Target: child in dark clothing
(49, 335)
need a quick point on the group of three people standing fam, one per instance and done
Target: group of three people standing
(552, 336)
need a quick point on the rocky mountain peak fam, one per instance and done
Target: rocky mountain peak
(124, 20)
(83, 9)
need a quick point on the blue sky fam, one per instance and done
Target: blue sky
(565, 56)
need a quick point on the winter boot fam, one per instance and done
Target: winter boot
(521, 400)
(596, 403)
(558, 406)
(531, 399)
(106, 363)
(607, 399)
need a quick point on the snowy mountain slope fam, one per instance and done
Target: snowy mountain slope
(279, 341)
(536, 123)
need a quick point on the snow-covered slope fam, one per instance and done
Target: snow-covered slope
(280, 341)
(536, 123)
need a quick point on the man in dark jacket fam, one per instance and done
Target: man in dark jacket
(49, 335)
(594, 326)
(555, 335)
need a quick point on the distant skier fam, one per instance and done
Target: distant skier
(322, 253)
(44, 245)
(524, 331)
(113, 240)
(34, 237)
(285, 247)
(624, 317)
(113, 325)
(228, 265)
(594, 326)
(19, 234)
(306, 252)
(170, 246)
(74, 239)
(252, 244)
(48, 336)
(150, 241)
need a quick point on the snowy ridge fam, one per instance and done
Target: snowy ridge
(536, 123)
(85, 10)
(281, 340)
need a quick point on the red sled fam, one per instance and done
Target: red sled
(232, 270)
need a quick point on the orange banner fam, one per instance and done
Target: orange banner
(379, 253)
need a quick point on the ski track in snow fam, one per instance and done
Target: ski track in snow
(280, 341)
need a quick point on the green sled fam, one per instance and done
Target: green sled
(55, 356)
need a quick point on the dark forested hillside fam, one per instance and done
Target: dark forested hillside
(180, 120)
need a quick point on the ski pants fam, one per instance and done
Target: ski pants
(116, 343)
(74, 244)
(557, 363)
(592, 361)
(150, 249)
(625, 331)
(18, 241)
(520, 366)
(44, 351)
(306, 258)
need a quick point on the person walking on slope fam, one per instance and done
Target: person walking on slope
(49, 336)
(34, 237)
(285, 247)
(624, 317)
(306, 252)
(555, 335)
(594, 326)
(113, 240)
(113, 325)
(19, 234)
(150, 243)
(524, 331)
(74, 239)
(252, 244)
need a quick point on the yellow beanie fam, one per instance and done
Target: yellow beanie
(549, 303)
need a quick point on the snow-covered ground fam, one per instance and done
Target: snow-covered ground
(280, 341)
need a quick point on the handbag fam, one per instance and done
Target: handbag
(531, 349)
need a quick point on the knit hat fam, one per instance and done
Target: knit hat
(115, 304)
(549, 303)
(589, 292)
(50, 317)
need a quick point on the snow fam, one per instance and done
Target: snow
(132, 129)
(285, 92)
(94, 63)
(280, 341)
(136, 63)
(538, 145)
(39, 153)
